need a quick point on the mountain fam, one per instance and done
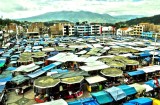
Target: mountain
(153, 19)
(128, 17)
(76, 17)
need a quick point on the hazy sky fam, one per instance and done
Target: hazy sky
(26, 8)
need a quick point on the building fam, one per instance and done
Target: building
(137, 30)
(56, 29)
(124, 31)
(68, 29)
(95, 29)
(36, 27)
(108, 30)
(82, 30)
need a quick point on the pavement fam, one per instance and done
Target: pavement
(26, 99)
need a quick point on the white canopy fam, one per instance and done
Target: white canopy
(81, 52)
(148, 88)
(95, 79)
(37, 47)
(97, 45)
(56, 57)
(27, 68)
(93, 68)
(91, 59)
(126, 55)
(48, 49)
(55, 102)
(149, 69)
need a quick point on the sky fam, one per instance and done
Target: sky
(14, 9)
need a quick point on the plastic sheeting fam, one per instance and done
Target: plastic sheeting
(116, 93)
(102, 97)
(128, 89)
(2, 88)
(55, 102)
(141, 101)
(138, 72)
(19, 79)
(43, 70)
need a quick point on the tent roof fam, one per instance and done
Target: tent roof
(139, 88)
(142, 101)
(11, 68)
(149, 69)
(55, 102)
(72, 80)
(116, 93)
(148, 88)
(95, 79)
(138, 72)
(151, 83)
(128, 89)
(2, 87)
(112, 72)
(70, 74)
(19, 79)
(102, 97)
(46, 82)
(94, 65)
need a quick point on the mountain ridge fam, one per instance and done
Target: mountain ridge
(78, 16)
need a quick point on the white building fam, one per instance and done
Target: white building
(107, 30)
(124, 31)
(82, 30)
(95, 29)
(68, 29)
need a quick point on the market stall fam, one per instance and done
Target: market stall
(72, 87)
(46, 87)
(102, 97)
(95, 83)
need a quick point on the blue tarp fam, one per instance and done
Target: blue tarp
(6, 55)
(128, 103)
(116, 93)
(2, 88)
(53, 52)
(36, 73)
(128, 89)
(6, 79)
(102, 97)
(144, 54)
(151, 83)
(11, 68)
(88, 101)
(60, 70)
(48, 67)
(142, 101)
(133, 56)
(75, 103)
(92, 102)
(138, 72)
(43, 70)
(147, 59)
(84, 101)
(15, 56)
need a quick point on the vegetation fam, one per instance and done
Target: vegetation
(152, 19)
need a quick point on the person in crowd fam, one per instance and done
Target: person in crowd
(17, 91)
(156, 82)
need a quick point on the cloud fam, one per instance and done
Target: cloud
(27, 8)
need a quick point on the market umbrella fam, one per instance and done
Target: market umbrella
(112, 72)
(46, 82)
